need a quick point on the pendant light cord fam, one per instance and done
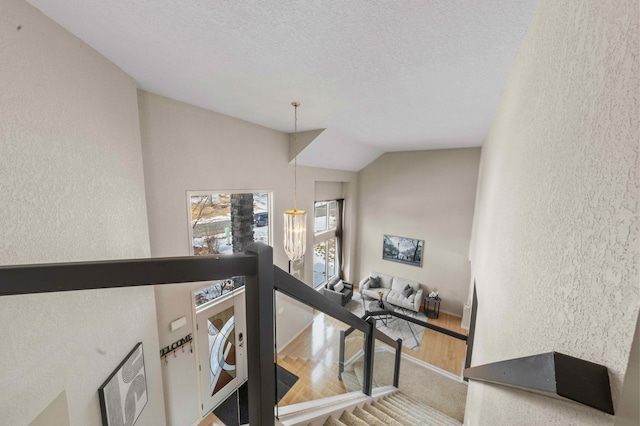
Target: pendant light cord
(295, 157)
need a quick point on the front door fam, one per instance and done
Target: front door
(221, 346)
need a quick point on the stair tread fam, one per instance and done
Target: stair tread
(332, 421)
(351, 420)
(367, 417)
(393, 410)
(423, 418)
(350, 381)
(402, 413)
(381, 415)
(358, 370)
(399, 418)
(427, 409)
(418, 410)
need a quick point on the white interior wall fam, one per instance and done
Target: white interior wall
(189, 148)
(427, 195)
(72, 189)
(555, 248)
(328, 191)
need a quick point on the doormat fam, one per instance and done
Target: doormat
(234, 410)
(284, 382)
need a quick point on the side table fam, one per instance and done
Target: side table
(429, 310)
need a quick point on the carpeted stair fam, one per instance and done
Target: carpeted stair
(350, 381)
(353, 377)
(395, 410)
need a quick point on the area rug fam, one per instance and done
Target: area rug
(396, 328)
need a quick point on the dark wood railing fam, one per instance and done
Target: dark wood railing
(552, 374)
(262, 279)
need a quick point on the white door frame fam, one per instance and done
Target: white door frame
(236, 298)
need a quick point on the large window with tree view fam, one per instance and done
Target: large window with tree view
(325, 259)
(227, 222)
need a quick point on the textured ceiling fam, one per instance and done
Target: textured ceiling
(378, 75)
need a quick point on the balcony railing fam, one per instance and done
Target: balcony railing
(262, 280)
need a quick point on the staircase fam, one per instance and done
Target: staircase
(353, 377)
(395, 410)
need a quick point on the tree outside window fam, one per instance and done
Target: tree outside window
(226, 222)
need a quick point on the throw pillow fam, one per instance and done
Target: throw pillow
(408, 291)
(339, 287)
(374, 282)
(331, 286)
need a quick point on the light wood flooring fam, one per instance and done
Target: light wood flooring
(211, 420)
(440, 350)
(313, 355)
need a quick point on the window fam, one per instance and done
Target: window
(325, 214)
(325, 249)
(227, 222)
(217, 289)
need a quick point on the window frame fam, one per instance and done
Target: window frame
(324, 236)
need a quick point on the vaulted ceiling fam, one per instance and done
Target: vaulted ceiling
(378, 76)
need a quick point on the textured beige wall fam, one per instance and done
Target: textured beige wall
(555, 248)
(428, 195)
(72, 188)
(628, 411)
(188, 148)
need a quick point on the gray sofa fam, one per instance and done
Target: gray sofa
(392, 289)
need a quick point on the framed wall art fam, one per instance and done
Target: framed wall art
(402, 249)
(123, 395)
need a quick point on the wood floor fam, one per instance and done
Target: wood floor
(313, 355)
(211, 420)
(440, 350)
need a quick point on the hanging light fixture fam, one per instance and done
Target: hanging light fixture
(295, 221)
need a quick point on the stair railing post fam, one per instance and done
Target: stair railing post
(259, 295)
(341, 359)
(370, 344)
(396, 370)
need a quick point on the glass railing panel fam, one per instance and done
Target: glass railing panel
(352, 363)
(384, 361)
(432, 346)
(441, 350)
(308, 354)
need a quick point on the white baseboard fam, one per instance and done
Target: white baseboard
(453, 314)
(282, 347)
(433, 368)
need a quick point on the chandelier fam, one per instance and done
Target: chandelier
(295, 221)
